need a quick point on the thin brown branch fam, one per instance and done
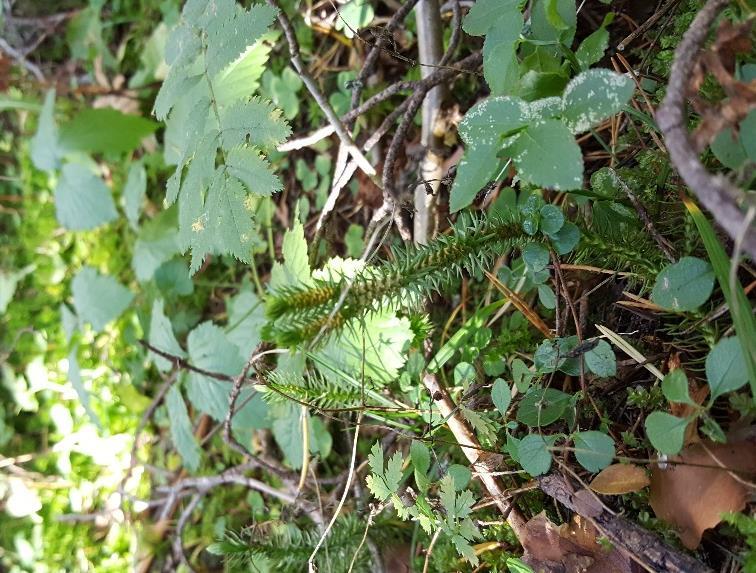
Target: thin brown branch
(716, 193)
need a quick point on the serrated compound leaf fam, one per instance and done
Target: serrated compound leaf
(476, 168)
(487, 121)
(534, 456)
(726, 369)
(601, 360)
(162, 337)
(105, 130)
(552, 219)
(592, 96)
(501, 395)
(666, 432)
(98, 299)
(593, 450)
(176, 85)
(566, 238)
(74, 376)
(675, 387)
(82, 200)
(251, 168)
(182, 432)
(420, 456)
(684, 285)
(551, 138)
(242, 78)
(488, 14)
(619, 479)
(134, 192)
(45, 150)
(460, 476)
(256, 122)
(229, 37)
(393, 474)
(536, 256)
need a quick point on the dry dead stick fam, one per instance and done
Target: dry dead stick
(716, 193)
(620, 531)
(472, 450)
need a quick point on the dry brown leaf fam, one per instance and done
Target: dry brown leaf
(570, 548)
(620, 478)
(692, 497)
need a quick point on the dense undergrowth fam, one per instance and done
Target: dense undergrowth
(218, 352)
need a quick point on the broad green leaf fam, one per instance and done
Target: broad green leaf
(82, 200)
(566, 238)
(552, 219)
(499, 60)
(515, 565)
(601, 360)
(420, 455)
(488, 14)
(45, 149)
(675, 387)
(283, 91)
(158, 242)
(287, 431)
(98, 299)
(726, 369)
(748, 135)
(552, 354)
(684, 285)
(592, 48)
(534, 456)
(162, 337)
(521, 375)
(592, 96)
(550, 138)
(210, 349)
(546, 296)
(666, 432)
(246, 317)
(501, 395)
(544, 12)
(728, 149)
(74, 376)
(464, 373)
(134, 192)
(489, 120)
(152, 65)
(542, 406)
(182, 432)
(476, 168)
(295, 269)
(460, 476)
(104, 130)
(593, 450)
(353, 15)
(536, 256)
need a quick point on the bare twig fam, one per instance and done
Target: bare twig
(22, 61)
(474, 453)
(320, 99)
(184, 364)
(717, 193)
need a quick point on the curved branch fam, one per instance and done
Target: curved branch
(716, 193)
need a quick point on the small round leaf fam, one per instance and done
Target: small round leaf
(534, 454)
(593, 450)
(666, 432)
(684, 285)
